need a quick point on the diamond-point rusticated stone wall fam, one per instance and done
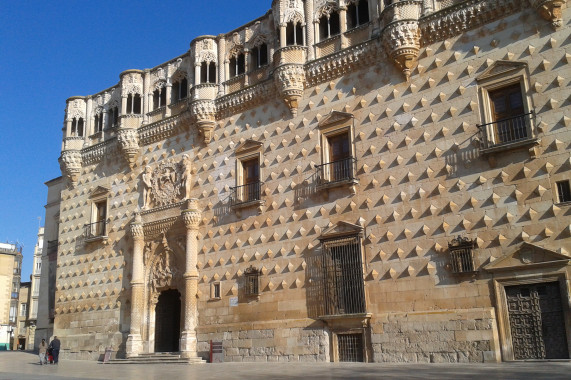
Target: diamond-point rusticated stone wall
(424, 174)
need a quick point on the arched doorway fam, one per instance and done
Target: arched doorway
(167, 322)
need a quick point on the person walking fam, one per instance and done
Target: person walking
(55, 345)
(42, 353)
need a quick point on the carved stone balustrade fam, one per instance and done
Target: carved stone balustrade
(289, 75)
(70, 162)
(290, 54)
(401, 33)
(203, 109)
(129, 142)
(73, 143)
(551, 10)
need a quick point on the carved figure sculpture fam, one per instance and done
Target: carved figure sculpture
(186, 175)
(148, 187)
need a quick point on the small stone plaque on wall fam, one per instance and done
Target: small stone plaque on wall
(233, 301)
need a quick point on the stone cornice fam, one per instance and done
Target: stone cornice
(162, 129)
(338, 64)
(244, 99)
(461, 17)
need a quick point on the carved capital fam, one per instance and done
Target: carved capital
(206, 129)
(290, 82)
(191, 215)
(71, 164)
(136, 227)
(129, 141)
(550, 10)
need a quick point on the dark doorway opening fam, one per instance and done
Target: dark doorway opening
(537, 321)
(167, 322)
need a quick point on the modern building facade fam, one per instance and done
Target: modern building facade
(35, 288)
(24, 329)
(333, 181)
(10, 274)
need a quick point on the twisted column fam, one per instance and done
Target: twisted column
(191, 217)
(134, 341)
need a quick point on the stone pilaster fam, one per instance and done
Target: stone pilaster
(191, 217)
(309, 27)
(134, 340)
(221, 67)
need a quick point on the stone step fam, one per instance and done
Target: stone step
(161, 358)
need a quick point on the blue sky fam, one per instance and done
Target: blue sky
(51, 50)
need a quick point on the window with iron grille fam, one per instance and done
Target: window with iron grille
(344, 291)
(252, 281)
(350, 347)
(563, 192)
(462, 255)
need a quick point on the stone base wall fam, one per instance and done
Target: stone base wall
(447, 336)
(92, 346)
(289, 344)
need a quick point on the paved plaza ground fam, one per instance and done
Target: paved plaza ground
(22, 365)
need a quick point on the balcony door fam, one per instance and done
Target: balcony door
(339, 157)
(509, 114)
(251, 170)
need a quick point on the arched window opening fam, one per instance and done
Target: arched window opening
(77, 127)
(208, 72)
(260, 56)
(159, 98)
(113, 120)
(329, 26)
(357, 14)
(237, 65)
(134, 104)
(294, 34)
(179, 90)
(98, 127)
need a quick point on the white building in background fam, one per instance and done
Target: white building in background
(35, 286)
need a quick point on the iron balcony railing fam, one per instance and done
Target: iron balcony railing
(95, 230)
(250, 192)
(506, 131)
(337, 171)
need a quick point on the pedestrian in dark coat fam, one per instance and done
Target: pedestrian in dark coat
(55, 345)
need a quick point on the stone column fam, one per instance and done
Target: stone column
(283, 36)
(309, 31)
(134, 341)
(221, 66)
(247, 66)
(89, 120)
(343, 26)
(188, 342)
(428, 7)
(124, 104)
(68, 127)
(196, 73)
(168, 89)
(147, 100)
(374, 17)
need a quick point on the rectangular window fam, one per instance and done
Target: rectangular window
(252, 282)
(461, 255)
(23, 309)
(508, 114)
(344, 289)
(13, 311)
(215, 290)
(350, 347)
(563, 192)
(97, 227)
(260, 56)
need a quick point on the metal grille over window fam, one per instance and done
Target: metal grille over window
(252, 285)
(461, 255)
(563, 192)
(350, 347)
(343, 274)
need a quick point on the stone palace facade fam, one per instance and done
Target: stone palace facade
(348, 180)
